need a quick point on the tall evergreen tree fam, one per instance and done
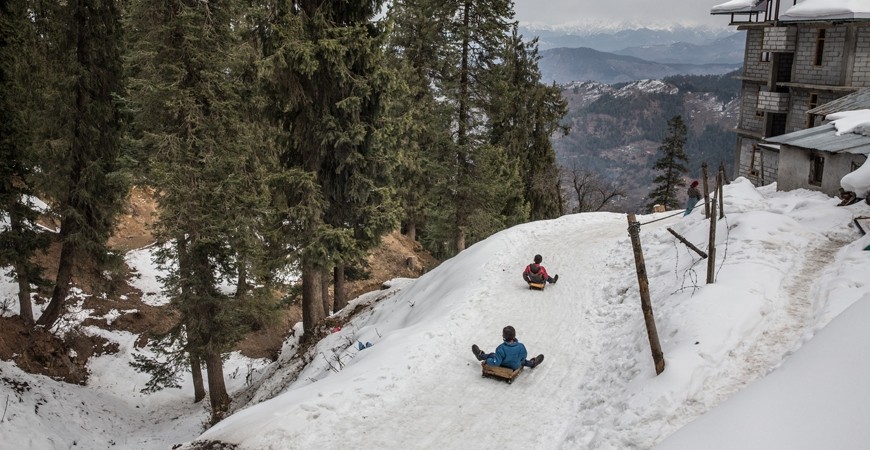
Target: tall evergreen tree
(671, 166)
(92, 189)
(524, 114)
(420, 124)
(197, 121)
(19, 238)
(474, 34)
(328, 77)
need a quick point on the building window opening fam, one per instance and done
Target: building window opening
(765, 57)
(814, 101)
(820, 47)
(817, 168)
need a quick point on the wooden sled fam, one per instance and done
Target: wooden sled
(537, 286)
(504, 373)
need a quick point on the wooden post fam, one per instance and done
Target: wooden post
(720, 181)
(688, 244)
(711, 249)
(724, 175)
(646, 305)
(706, 191)
(761, 170)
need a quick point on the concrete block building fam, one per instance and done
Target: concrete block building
(799, 55)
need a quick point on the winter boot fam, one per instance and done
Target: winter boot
(478, 353)
(537, 361)
(555, 279)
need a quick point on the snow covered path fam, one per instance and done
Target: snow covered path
(438, 398)
(419, 386)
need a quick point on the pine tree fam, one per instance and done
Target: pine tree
(420, 125)
(197, 120)
(524, 116)
(327, 79)
(474, 33)
(671, 166)
(92, 188)
(19, 239)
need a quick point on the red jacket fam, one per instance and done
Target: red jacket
(542, 272)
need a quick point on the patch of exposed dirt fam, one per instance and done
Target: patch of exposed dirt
(118, 306)
(397, 257)
(35, 350)
(135, 227)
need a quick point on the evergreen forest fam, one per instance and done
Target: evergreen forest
(278, 136)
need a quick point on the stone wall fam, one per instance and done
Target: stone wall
(861, 69)
(830, 71)
(749, 120)
(752, 66)
(779, 39)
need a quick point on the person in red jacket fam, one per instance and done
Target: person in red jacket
(536, 273)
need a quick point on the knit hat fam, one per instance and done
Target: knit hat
(509, 333)
(694, 183)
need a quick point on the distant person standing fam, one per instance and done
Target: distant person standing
(694, 197)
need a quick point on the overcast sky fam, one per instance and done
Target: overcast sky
(643, 12)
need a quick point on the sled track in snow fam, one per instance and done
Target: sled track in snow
(785, 331)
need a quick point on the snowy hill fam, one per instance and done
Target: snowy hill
(787, 264)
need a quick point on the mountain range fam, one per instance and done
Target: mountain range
(628, 54)
(614, 39)
(564, 65)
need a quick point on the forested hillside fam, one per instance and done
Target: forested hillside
(617, 129)
(282, 142)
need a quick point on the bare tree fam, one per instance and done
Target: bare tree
(592, 192)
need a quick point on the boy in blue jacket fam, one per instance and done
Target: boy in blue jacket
(511, 353)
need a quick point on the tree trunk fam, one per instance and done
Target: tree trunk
(411, 231)
(338, 299)
(324, 292)
(312, 304)
(63, 278)
(196, 372)
(242, 284)
(462, 132)
(25, 307)
(22, 273)
(217, 389)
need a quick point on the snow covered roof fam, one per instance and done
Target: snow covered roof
(808, 10)
(825, 138)
(740, 6)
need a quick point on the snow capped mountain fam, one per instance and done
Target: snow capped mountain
(593, 90)
(648, 87)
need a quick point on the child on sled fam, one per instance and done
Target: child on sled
(536, 273)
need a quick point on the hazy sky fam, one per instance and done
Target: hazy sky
(643, 12)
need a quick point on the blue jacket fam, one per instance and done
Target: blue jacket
(508, 354)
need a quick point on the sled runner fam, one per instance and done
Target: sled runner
(537, 286)
(506, 373)
(503, 373)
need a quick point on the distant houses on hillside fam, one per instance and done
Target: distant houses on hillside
(799, 60)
